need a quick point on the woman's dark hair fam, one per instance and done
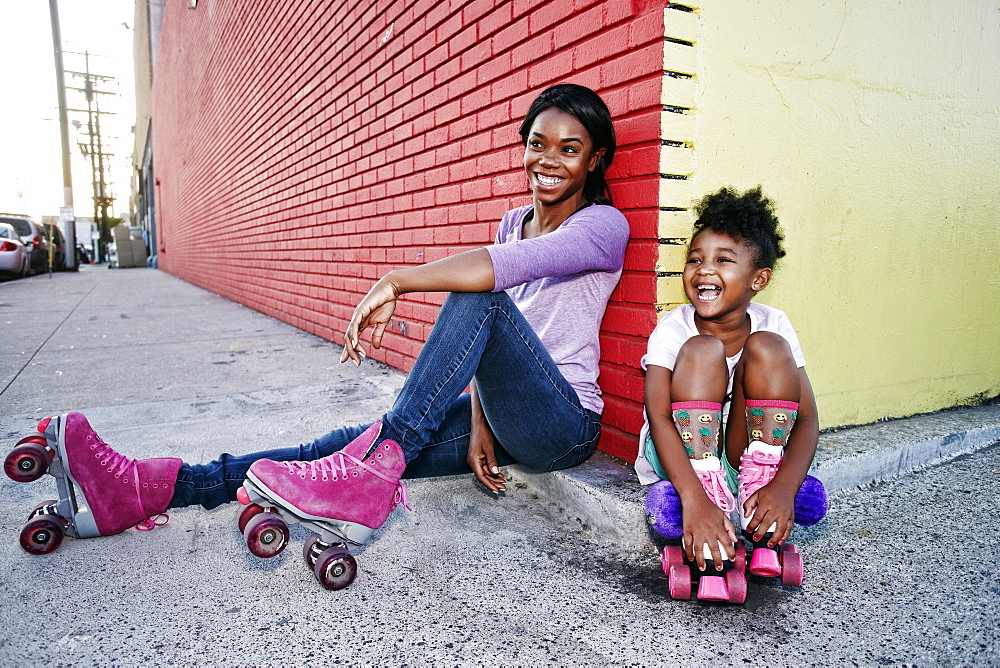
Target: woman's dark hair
(748, 218)
(588, 108)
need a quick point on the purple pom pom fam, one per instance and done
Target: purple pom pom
(811, 503)
(663, 510)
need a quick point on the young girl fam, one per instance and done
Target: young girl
(724, 360)
(521, 326)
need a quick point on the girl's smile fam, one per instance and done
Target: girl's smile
(721, 276)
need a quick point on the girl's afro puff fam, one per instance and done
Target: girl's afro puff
(748, 218)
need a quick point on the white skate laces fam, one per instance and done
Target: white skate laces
(119, 465)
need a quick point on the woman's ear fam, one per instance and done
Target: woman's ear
(761, 279)
(597, 155)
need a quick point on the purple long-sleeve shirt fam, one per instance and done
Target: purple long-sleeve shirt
(561, 282)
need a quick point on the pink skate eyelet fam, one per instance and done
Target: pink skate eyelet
(145, 484)
(155, 486)
(355, 474)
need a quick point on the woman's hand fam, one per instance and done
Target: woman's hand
(705, 524)
(374, 310)
(482, 456)
(483, 461)
(771, 504)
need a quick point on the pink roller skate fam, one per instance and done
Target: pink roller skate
(731, 584)
(101, 492)
(344, 498)
(758, 465)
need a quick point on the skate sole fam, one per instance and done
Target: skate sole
(262, 495)
(82, 523)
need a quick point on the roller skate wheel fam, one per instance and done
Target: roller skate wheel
(740, 563)
(42, 535)
(33, 438)
(787, 547)
(27, 462)
(248, 514)
(242, 496)
(335, 568)
(736, 583)
(791, 569)
(266, 535)
(673, 555)
(679, 579)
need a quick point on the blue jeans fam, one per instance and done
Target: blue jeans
(535, 414)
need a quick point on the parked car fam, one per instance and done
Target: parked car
(33, 236)
(14, 256)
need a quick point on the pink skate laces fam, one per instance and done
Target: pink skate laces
(153, 522)
(118, 464)
(338, 465)
(756, 470)
(718, 491)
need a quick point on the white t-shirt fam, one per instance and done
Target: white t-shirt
(676, 327)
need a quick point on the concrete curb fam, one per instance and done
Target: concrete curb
(607, 497)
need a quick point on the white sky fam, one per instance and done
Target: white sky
(30, 151)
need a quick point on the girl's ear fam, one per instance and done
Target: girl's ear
(761, 279)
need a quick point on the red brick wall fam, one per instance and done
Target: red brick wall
(303, 149)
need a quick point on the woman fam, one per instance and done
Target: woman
(520, 327)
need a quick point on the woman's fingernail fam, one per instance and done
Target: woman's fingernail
(495, 469)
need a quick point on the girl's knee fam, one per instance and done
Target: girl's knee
(767, 347)
(702, 347)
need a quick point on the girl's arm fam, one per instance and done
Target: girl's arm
(471, 271)
(704, 522)
(775, 502)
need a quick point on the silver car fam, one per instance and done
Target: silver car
(14, 257)
(33, 236)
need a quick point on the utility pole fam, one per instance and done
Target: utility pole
(67, 216)
(94, 150)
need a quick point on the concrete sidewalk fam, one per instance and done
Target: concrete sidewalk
(172, 354)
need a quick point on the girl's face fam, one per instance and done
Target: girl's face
(557, 158)
(720, 277)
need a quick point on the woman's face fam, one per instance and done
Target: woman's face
(557, 158)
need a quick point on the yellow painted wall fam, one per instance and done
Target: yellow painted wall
(875, 127)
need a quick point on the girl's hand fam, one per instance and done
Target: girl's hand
(374, 310)
(771, 504)
(705, 524)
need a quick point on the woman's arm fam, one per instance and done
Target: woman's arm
(471, 271)
(704, 522)
(482, 459)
